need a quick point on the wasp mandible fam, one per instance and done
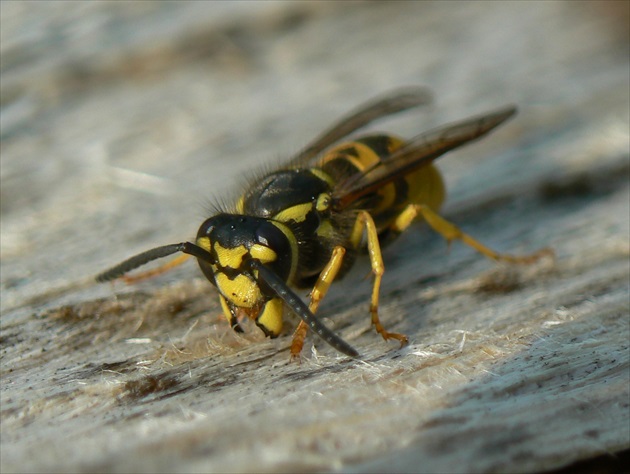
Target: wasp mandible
(304, 225)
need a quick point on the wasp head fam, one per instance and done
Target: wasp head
(233, 242)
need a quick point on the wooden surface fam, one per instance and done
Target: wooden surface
(123, 122)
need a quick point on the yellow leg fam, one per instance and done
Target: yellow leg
(156, 271)
(365, 223)
(326, 277)
(450, 232)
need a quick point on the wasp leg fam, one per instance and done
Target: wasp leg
(156, 271)
(365, 223)
(450, 232)
(326, 277)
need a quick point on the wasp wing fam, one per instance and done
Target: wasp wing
(388, 104)
(418, 152)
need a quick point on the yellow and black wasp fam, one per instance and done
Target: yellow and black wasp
(303, 225)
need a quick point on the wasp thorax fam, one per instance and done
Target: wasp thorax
(284, 190)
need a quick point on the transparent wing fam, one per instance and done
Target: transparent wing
(418, 152)
(388, 104)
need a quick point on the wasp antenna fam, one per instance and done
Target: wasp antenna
(499, 116)
(196, 251)
(299, 307)
(153, 254)
(137, 261)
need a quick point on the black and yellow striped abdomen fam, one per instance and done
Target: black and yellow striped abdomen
(422, 186)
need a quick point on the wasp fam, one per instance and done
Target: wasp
(304, 225)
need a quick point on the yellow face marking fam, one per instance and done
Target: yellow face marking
(227, 257)
(262, 253)
(242, 291)
(204, 243)
(295, 213)
(271, 317)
